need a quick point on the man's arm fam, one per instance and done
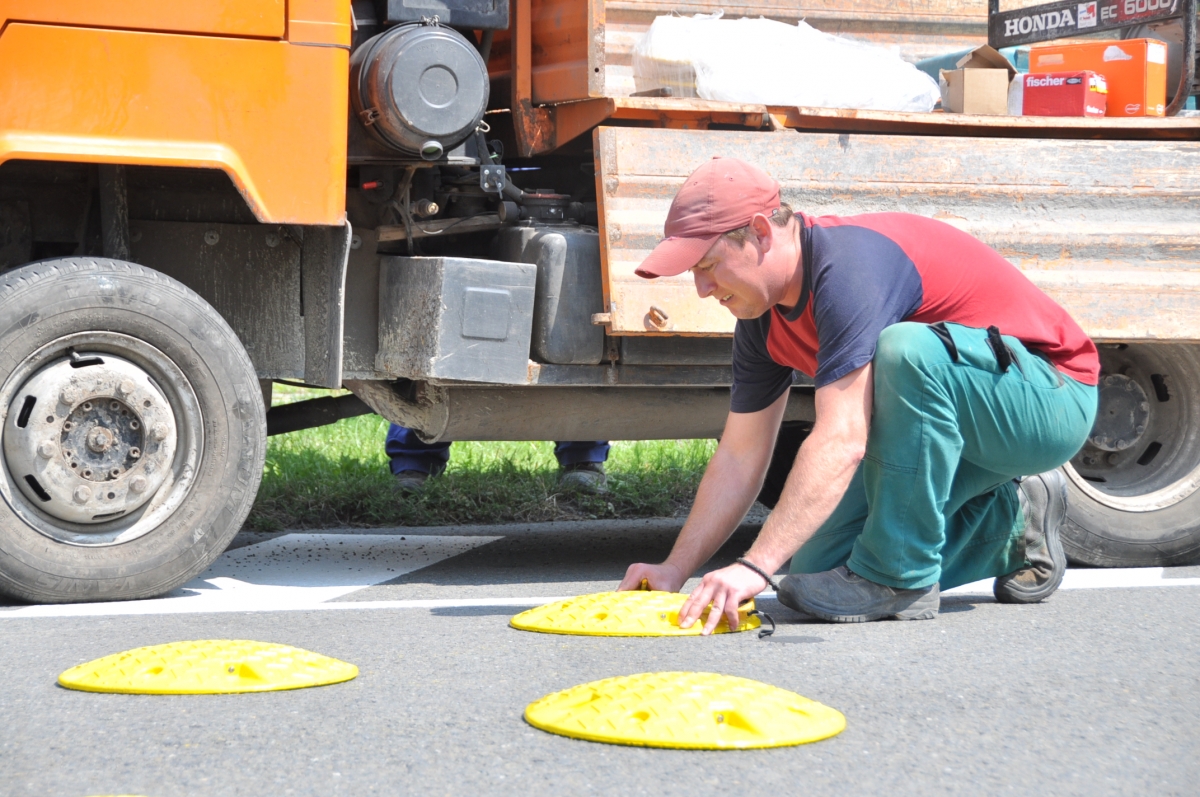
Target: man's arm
(731, 483)
(823, 469)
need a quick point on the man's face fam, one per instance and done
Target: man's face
(735, 276)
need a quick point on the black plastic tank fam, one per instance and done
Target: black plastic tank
(568, 291)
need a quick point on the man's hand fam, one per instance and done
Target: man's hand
(663, 577)
(725, 589)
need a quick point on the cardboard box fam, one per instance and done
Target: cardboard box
(1064, 94)
(979, 85)
(1135, 71)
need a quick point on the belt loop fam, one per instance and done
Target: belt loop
(943, 334)
(1004, 357)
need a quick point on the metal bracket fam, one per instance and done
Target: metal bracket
(492, 177)
(323, 262)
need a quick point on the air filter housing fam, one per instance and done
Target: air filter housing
(419, 88)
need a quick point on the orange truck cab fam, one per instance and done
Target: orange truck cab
(442, 211)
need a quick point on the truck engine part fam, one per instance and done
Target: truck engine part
(486, 14)
(419, 88)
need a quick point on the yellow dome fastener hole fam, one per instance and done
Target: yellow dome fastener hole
(635, 613)
(207, 667)
(686, 710)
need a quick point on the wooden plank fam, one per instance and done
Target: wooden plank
(560, 50)
(842, 120)
(1110, 229)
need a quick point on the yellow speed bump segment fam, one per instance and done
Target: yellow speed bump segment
(689, 710)
(634, 613)
(207, 667)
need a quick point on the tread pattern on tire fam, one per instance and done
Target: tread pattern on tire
(227, 371)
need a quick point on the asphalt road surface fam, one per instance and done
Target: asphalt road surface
(1094, 692)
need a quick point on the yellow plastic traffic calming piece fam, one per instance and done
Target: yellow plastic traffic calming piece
(207, 666)
(691, 710)
(636, 613)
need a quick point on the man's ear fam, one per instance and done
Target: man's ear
(760, 225)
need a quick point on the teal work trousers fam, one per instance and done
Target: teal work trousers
(934, 499)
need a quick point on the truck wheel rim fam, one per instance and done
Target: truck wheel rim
(1143, 453)
(101, 441)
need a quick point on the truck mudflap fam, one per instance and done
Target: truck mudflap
(1109, 229)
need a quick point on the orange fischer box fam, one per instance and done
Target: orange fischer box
(1135, 70)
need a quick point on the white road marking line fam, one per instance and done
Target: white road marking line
(306, 572)
(288, 573)
(1099, 578)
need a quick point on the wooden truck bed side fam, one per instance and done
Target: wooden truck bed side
(1095, 210)
(1111, 230)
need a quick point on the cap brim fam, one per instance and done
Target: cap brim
(675, 255)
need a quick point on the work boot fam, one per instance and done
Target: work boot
(410, 481)
(1044, 504)
(413, 481)
(840, 596)
(584, 477)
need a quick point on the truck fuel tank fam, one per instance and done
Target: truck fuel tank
(569, 289)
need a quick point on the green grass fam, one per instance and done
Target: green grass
(338, 476)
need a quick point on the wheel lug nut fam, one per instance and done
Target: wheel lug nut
(1140, 429)
(1112, 459)
(126, 387)
(1144, 406)
(138, 484)
(158, 432)
(82, 494)
(46, 449)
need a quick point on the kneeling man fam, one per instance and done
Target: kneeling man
(944, 378)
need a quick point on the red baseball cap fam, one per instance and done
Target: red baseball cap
(722, 195)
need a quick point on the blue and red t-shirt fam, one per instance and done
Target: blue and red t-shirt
(865, 273)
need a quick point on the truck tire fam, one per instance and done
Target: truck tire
(1133, 489)
(133, 432)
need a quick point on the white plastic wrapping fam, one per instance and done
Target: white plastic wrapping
(772, 63)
